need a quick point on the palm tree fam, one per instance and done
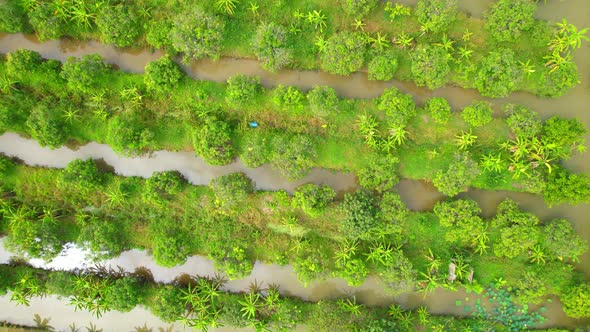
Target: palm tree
(465, 140)
(250, 305)
(395, 311)
(423, 315)
(351, 307)
(537, 254)
(317, 19)
(446, 43)
(492, 162)
(226, 6)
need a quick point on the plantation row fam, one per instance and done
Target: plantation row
(85, 100)
(431, 44)
(200, 303)
(363, 233)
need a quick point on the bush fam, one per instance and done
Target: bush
(393, 209)
(458, 176)
(197, 35)
(507, 19)
(168, 304)
(20, 62)
(477, 114)
(101, 235)
(12, 17)
(565, 187)
(313, 199)
(344, 53)
(83, 74)
(288, 98)
(498, 75)
(270, 46)
(576, 301)
(293, 156)
(162, 75)
(322, 99)
(563, 135)
(212, 142)
(556, 83)
(162, 186)
(231, 190)
(242, 89)
(522, 122)
(254, 148)
(382, 67)
(379, 174)
(158, 33)
(118, 25)
(358, 8)
(398, 107)
(171, 245)
(233, 262)
(439, 109)
(360, 212)
(128, 135)
(562, 241)
(430, 66)
(46, 126)
(83, 172)
(45, 23)
(436, 15)
(123, 295)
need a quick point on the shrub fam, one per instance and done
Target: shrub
(128, 135)
(360, 212)
(436, 15)
(358, 8)
(170, 240)
(288, 98)
(46, 126)
(83, 74)
(35, 236)
(507, 19)
(212, 142)
(498, 75)
(563, 135)
(242, 89)
(231, 190)
(393, 209)
(101, 235)
(12, 17)
(162, 186)
(379, 174)
(312, 198)
(462, 219)
(233, 261)
(439, 109)
(293, 156)
(522, 121)
(382, 67)
(270, 46)
(197, 35)
(562, 241)
(158, 33)
(430, 66)
(556, 83)
(254, 149)
(168, 303)
(477, 114)
(22, 61)
(458, 176)
(344, 53)
(576, 301)
(398, 107)
(322, 99)
(45, 23)
(565, 187)
(162, 75)
(118, 25)
(123, 295)
(83, 172)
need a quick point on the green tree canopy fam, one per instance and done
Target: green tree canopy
(397, 106)
(382, 67)
(576, 301)
(344, 53)
(360, 214)
(231, 190)
(197, 34)
(83, 172)
(436, 15)
(242, 89)
(458, 176)
(498, 74)
(439, 109)
(523, 122)
(162, 75)
(83, 74)
(478, 114)
(47, 126)
(562, 241)
(271, 47)
(293, 156)
(430, 66)
(507, 19)
(118, 25)
(212, 142)
(313, 198)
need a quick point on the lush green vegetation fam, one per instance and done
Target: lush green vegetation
(200, 303)
(363, 233)
(432, 44)
(84, 100)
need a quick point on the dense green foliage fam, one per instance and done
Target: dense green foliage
(197, 34)
(270, 46)
(242, 89)
(118, 25)
(47, 126)
(312, 198)
(477, 114)
(439, 109)
(343, 54)
(382, 67)
(397, 106)
(84, 73)
(507, 19)
(458, 176)
(499, 74)
(162, 75)
(522, 121)
(213, 142)
(322, 100)
(231, 190)
(436, 15)
(430, 66)
(84, 173)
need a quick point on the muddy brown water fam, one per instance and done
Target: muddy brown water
(418, 195)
